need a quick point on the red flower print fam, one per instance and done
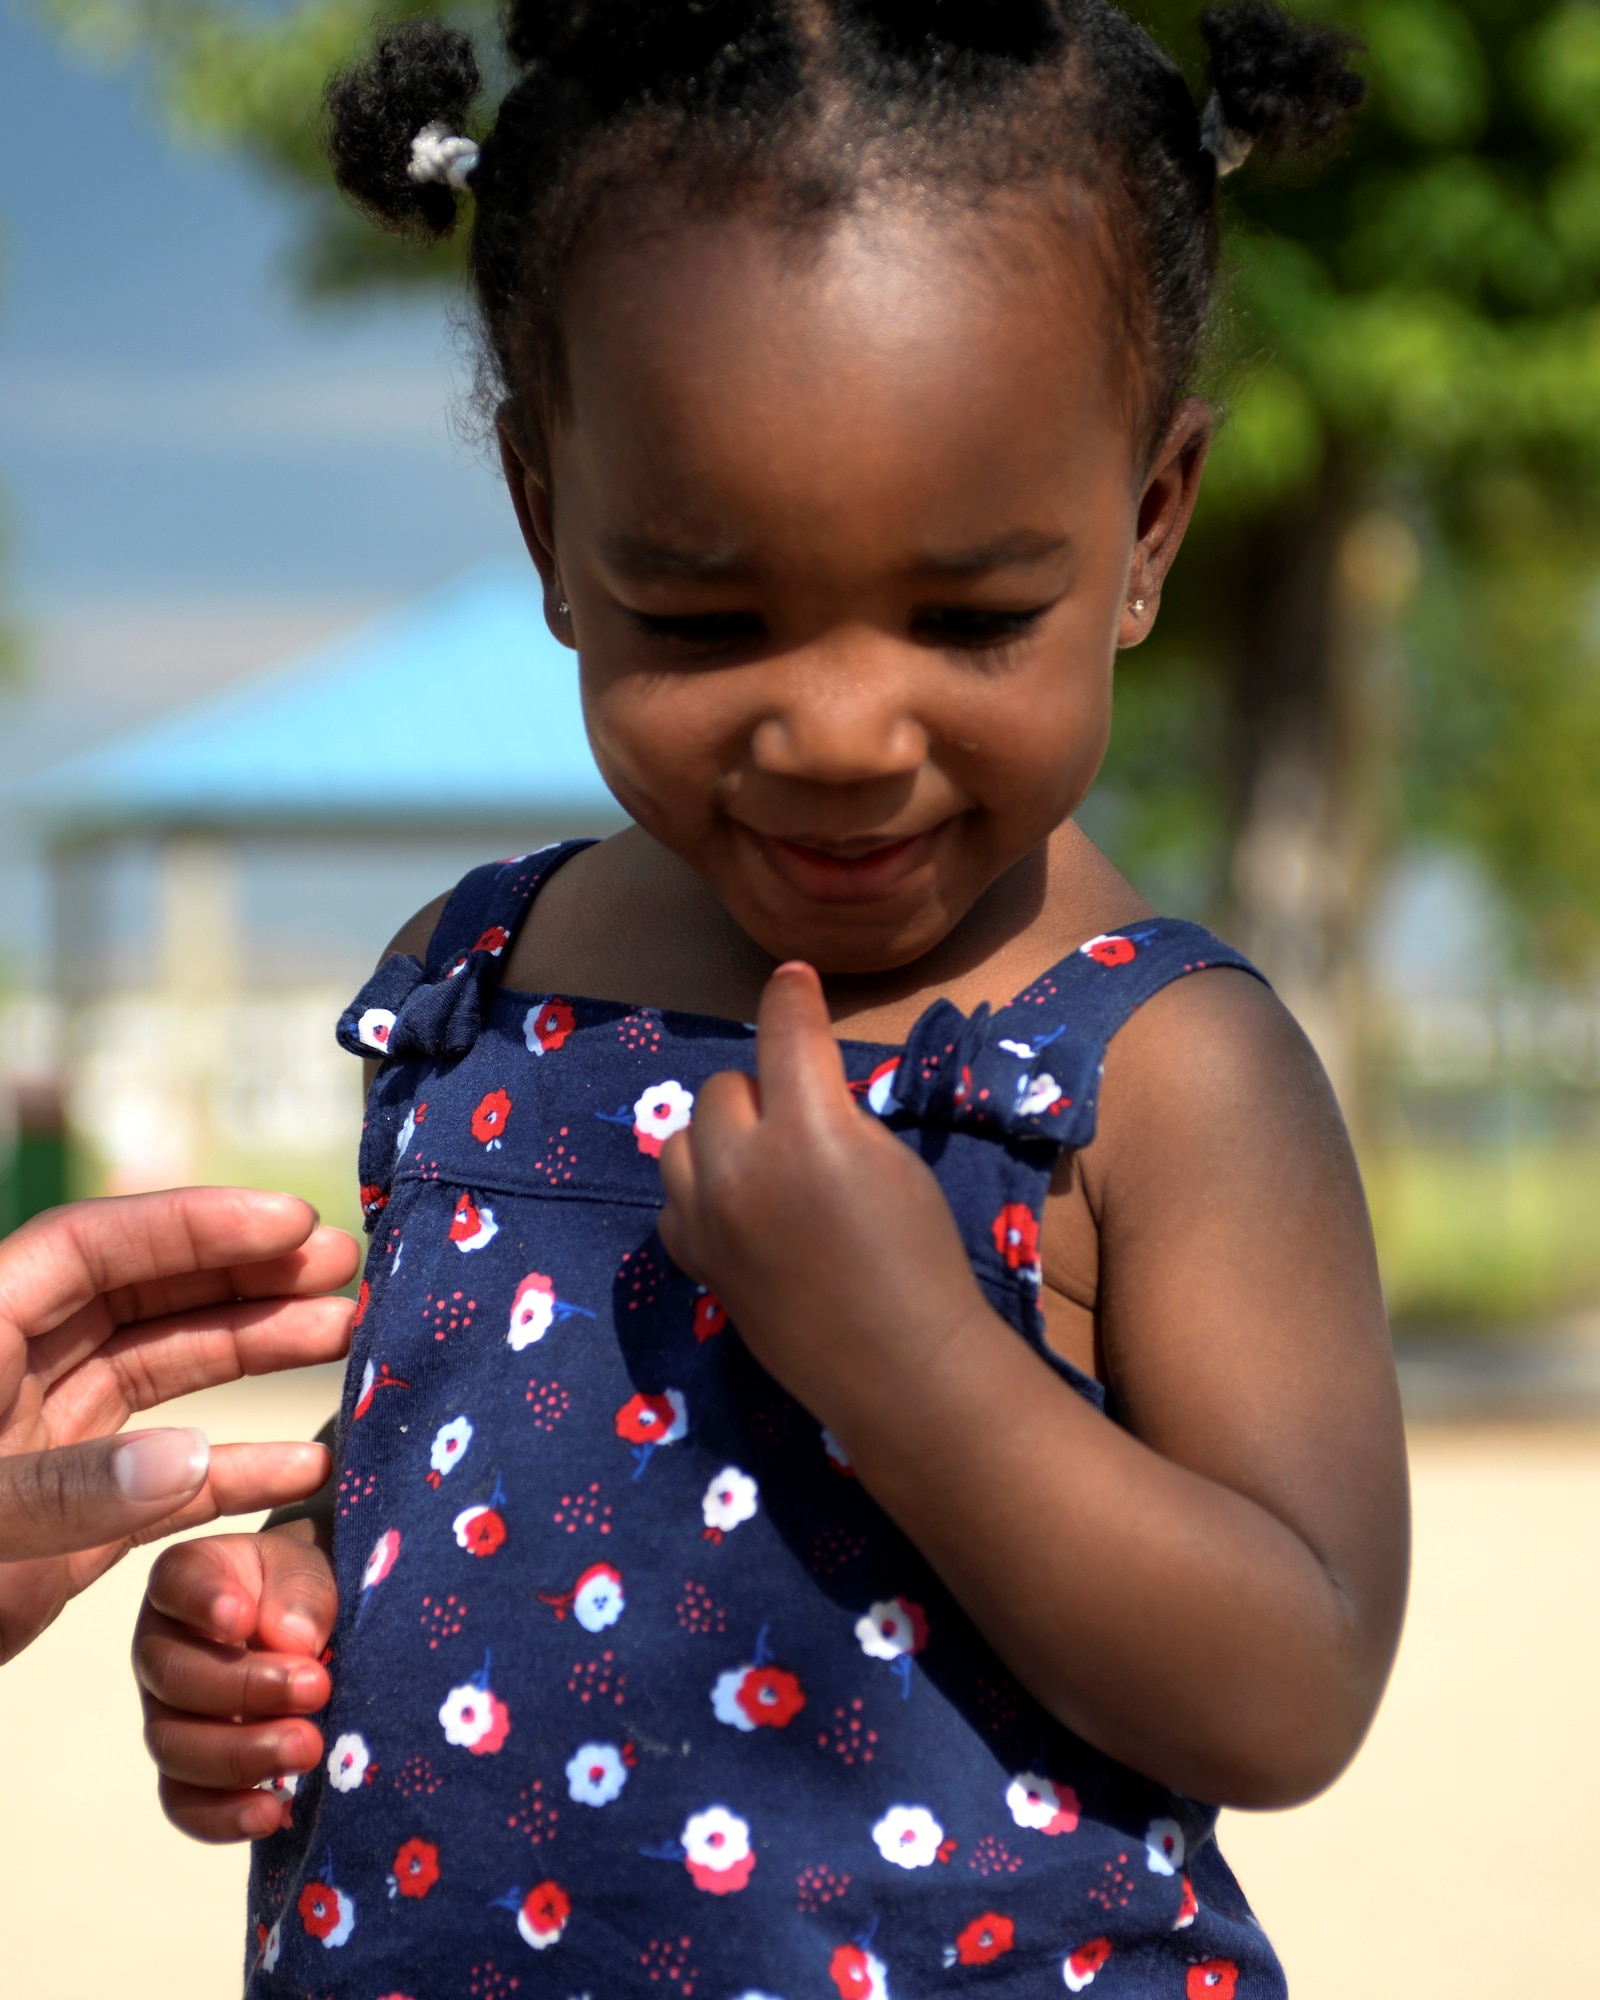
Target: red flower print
(1111, 951)
(543, 1916)
(480, 1530)
(374, 1200)
(494, 940)
(1217, 1979)
(1084, 1963)
(327, 1913)
(416, 1868)
(770, 1697)
(646, 1419)
(547, 1027)
(985, 1939)
(710, 1316)
(1016, 1236)
(1188, 1909)
(489, 1120)
(857, 1974)
(363, 1300)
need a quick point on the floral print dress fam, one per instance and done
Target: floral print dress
(636, 1690)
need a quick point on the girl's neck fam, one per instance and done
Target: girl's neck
(627, 921)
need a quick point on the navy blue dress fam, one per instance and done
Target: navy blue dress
(636, 1690)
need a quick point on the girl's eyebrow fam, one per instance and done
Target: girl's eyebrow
(635, 556)
(1021, 548)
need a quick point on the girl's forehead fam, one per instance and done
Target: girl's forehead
(903, 332)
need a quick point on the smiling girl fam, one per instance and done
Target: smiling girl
(892, 1471)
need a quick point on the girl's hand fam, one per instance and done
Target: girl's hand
(827, 1239)
(227, 1656)
(110, 1307)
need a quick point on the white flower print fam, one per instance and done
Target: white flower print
(283, 1786)
(909, 1836)
(1037, 1094)
(717, 1851)
(1079, 1967)
(374, 1029)
(385, 1554)
(1163, 1847)
(725, 1704)
(347, 1763)
(1041, 1804)
(663, 1109)
(598, 1599)
(881, 1099)
(732, 1497)
(474, 1718)
(892, 1628)
(408, 1131)
(533, 1311)
(596, 1774)
(450, 1445)
(272, 1947)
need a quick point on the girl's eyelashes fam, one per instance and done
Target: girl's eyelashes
(710, 630)
(965, 627)
(975, 628)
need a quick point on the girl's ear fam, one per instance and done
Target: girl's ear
(530, 495)
(1172, 485)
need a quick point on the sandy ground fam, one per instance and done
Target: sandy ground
(1454, 1859)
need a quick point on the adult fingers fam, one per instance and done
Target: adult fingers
(246, 1479)
(195, 1676)
(148, 1364)
(61, 1261)
(219, 1817)
(82, 1496)
(227, 1756)
(797, 1056)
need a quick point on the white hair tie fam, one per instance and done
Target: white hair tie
(1229, 147)
(438, 154)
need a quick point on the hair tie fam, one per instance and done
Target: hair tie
(438, 154)
(1226, 144)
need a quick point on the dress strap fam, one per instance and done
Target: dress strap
(1031, 1072)
(408, 1008)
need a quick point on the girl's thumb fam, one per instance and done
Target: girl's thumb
(81, 1496)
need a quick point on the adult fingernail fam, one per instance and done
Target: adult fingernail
(159, 1465)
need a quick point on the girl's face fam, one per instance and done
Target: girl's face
(850, 529)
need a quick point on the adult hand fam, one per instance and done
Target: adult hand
(110, 1307)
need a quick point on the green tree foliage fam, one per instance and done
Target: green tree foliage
(1414, 326)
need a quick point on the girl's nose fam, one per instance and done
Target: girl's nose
(840, 722)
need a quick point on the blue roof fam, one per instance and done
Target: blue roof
(459, 707)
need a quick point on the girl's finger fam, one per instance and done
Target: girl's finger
(220, 1817)
(797, 1056)
(213, 1586)
(227, 1756)
(299, 1598)
(195, 1677)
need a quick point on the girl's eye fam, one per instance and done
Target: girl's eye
(709, 629)
(975, 627)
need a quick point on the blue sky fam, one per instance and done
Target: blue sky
(174, 423)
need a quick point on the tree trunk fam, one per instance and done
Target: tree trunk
(1313, 730)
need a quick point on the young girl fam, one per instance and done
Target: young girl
(830, 1505)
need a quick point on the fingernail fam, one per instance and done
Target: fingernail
(159, 1465)
(305, 1687)
(299, 1631)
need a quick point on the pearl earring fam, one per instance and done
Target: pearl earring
(1137, 607)
(563, 607)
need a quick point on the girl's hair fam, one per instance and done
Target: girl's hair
(808, 107)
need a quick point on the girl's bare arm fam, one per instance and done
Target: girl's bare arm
(1213, 1594)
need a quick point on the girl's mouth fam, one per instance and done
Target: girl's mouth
(826, 875)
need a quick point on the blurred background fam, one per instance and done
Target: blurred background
(246, 514)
